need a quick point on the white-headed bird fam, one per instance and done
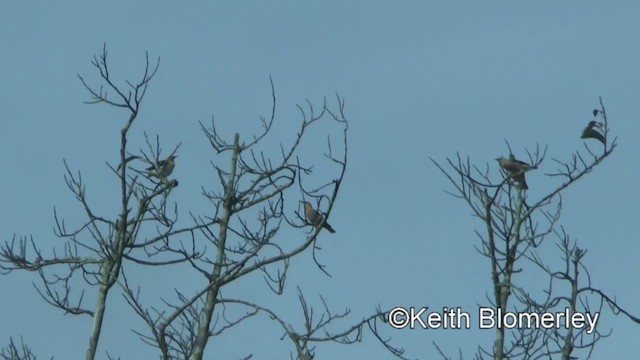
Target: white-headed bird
(315, 218)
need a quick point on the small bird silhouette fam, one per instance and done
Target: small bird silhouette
(590, 132)
(163, 168)
(315, 218)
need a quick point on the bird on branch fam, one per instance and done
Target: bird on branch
(516, 169)
(315, 218)
(163, 168)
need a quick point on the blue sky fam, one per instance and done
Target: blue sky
(421, 79)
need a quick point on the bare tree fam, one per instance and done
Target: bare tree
(259, 195)
(14, 351)
(95, 250)
(515, 235)
(250, 209)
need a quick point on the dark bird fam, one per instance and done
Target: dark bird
(315, 218)
(595, 112)
(590, 132)
(516, 169)
(519, 181)
(163, 168)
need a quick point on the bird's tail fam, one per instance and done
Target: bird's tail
(328, 227)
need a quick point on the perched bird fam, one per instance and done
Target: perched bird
(163, 168)
(590, 132)
(516, 169)
(512, 165)
(595, 112)
(315, 218)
